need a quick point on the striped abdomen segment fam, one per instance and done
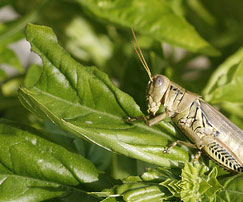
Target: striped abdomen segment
(213, 133)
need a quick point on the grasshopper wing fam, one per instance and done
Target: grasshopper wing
(229, 134)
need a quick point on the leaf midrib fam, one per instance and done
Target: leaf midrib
(140, 125)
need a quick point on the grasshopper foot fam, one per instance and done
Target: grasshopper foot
(139, 118)
(197, 156)
(166, 150)
(129, 119)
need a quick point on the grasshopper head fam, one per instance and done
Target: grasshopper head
(155, 92)
(157, 85)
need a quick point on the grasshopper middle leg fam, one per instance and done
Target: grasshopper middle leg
(166, 150)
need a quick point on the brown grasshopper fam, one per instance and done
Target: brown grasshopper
(208, 129)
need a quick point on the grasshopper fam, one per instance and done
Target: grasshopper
(208, 129)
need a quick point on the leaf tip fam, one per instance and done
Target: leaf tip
(37, 32)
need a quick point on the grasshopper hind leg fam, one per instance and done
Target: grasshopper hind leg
(194, 146)
(166, 150)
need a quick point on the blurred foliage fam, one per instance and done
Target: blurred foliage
(181, 39)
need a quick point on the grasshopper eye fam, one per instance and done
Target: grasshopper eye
(158, 81)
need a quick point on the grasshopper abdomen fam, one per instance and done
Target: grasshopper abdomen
(220, 138)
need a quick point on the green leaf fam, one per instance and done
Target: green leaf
(135, 189)
(153, 18)
(226, 82)
(7, 56)
(233, 108)
(13, 30)
(3, 75)
(18, 188)
(238, 119)
(98, 48)
(10, 106)
(34, 169)
(229, 92)
(10, 87)
(76, 195)
(26, 154)
(5, 2)
(120, 170)
(83, 101)
(144, 194)
(100, 157)
(195, 185)
(174, 186)
(202, 12)
(111, 199)
(9, 34)
(159, 174)
(33, 75)
(232, 189)
(7, 102)
(145, 187)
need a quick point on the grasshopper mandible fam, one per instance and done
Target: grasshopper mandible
(207, 128)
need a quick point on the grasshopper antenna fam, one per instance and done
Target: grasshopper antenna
(140, 55)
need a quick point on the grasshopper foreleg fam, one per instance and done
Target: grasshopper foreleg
(139, 118)
(157, 119)
(147, 120)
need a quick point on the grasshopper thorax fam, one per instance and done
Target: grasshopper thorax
(156, 90)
